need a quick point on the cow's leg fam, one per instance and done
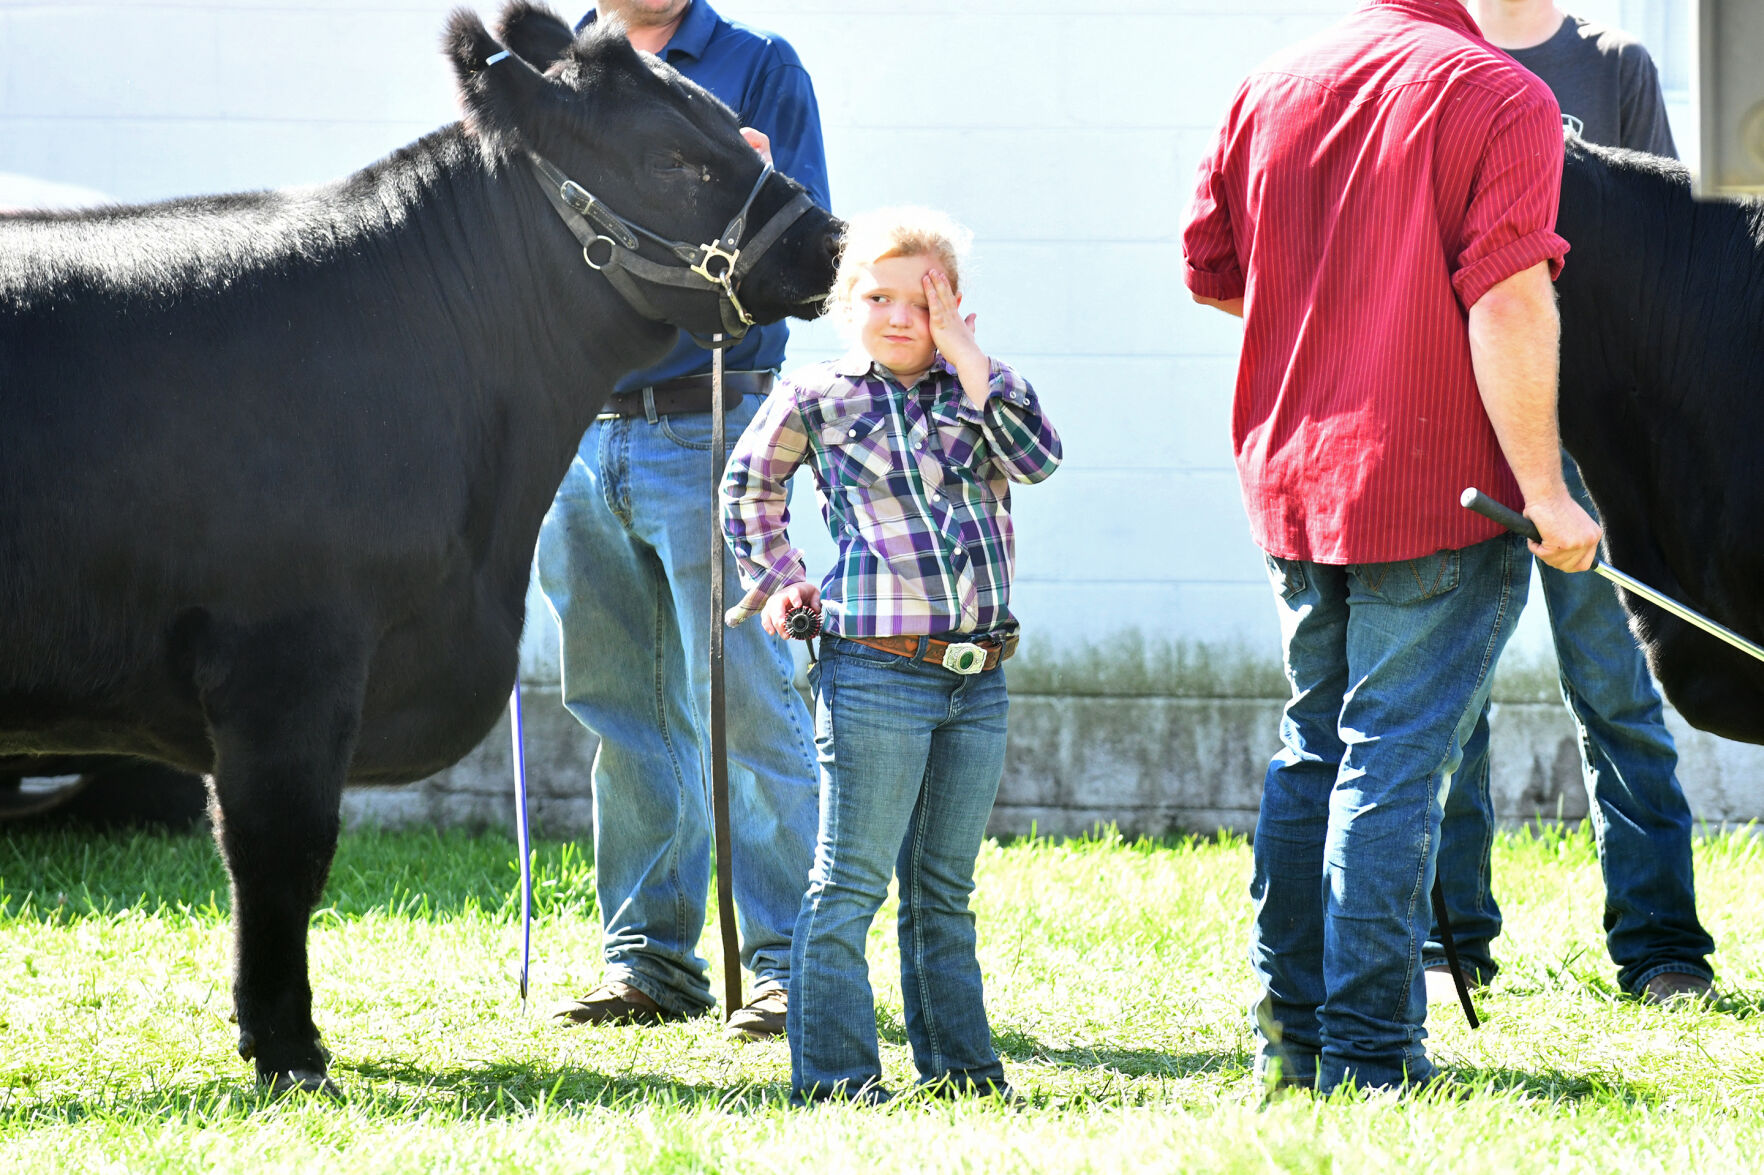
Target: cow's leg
(283, 711)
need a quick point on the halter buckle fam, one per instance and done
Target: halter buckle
(716, 252)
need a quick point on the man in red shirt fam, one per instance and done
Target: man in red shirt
(1380, 208)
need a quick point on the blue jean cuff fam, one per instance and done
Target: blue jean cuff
(666, 997)
(866, 1092)
(1700, 970)
(1475, 972)
(1287, 1071)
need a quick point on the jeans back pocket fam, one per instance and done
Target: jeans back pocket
(1407, 581)
(1287, 575)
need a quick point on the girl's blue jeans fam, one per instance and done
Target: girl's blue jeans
(910, 758)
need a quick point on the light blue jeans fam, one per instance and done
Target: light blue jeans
(1640, 818)
(1389, 664)
(624, 561)
(911, 755)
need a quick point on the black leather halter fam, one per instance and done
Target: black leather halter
(717, 267)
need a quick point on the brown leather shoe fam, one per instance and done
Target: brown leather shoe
(1676, 989)
(614, 1002)
(761, 1018)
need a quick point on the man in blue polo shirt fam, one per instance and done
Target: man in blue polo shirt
(624, 560)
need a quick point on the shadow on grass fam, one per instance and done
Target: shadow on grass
(1556, 1086)
(1021, 1048)
(393, 1090)
(1130, 1062)
(497, 1089)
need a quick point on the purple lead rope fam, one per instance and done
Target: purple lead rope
(521, 839)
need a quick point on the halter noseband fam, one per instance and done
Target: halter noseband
(717, 267)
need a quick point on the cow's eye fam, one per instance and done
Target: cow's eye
(675, 167)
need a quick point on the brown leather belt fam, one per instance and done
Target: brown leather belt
(689, 393)
(962, 657)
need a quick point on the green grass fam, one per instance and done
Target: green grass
(1116, 982)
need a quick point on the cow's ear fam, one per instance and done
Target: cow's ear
(603, 45)
(496, 87)
(535, 32)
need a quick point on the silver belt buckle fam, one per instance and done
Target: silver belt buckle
(965, 658)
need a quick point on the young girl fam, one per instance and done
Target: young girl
(913, 439)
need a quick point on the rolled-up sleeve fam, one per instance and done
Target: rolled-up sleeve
(1212, 267)
(1511, 222)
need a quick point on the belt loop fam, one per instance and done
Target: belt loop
(649, 404)
(924, 647)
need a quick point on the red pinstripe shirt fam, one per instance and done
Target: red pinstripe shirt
(1367, 187)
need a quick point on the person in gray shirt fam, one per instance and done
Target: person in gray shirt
(1609, 92)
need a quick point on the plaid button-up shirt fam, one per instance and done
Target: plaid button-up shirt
(914, 485)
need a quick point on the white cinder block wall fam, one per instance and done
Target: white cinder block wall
(1065, 134)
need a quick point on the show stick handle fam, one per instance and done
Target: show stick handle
(802, 623)
(1475, 499)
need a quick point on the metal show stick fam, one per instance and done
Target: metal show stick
(1475, 499)
(719, 748)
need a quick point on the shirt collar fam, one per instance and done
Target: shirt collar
(689, 40)
(857, 364)
(695, 30)
(1447, 12)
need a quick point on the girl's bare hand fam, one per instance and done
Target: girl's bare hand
(801, 594)
(952, 334)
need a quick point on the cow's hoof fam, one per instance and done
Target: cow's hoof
(300, 1081)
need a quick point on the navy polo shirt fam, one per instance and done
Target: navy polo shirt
(760, 77)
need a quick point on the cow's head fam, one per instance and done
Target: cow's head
(654, 148)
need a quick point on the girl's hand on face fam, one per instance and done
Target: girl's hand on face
(801, 594)
(952, 334)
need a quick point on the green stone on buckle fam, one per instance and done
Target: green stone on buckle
(965, 658)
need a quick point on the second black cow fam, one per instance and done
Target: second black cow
(1662, 406)
(272, 466)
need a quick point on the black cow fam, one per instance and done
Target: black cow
(272, 466)
(106, 791)
(1662, 405)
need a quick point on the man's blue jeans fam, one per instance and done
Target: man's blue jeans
(1640, 818)
(1389, 664)
(911, 755)
(624, 560)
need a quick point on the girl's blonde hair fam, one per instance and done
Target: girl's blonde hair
(908, 231)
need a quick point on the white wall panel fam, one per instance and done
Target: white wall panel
(1066, 136)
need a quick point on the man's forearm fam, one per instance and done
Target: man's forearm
(1514, 340)
(1514, 343)
(1231, 306)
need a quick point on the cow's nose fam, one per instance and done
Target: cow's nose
(834, 239)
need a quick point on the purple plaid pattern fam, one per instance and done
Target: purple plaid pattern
(915, 486)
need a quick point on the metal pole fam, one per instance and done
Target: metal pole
(719, 748)
(523, 843)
